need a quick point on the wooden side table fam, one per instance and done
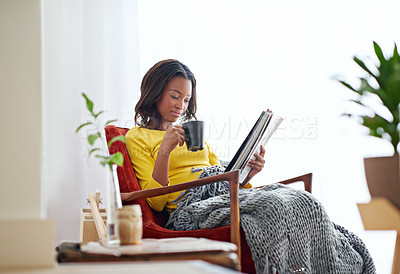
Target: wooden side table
(381, 214)
(164, 267)
(216, 252)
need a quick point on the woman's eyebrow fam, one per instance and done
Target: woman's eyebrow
(179, 92)
(175, 90)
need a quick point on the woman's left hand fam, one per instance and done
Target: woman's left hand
(258, 164)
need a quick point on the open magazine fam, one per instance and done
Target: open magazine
(259, 135)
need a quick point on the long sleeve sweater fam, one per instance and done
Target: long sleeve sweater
(143, 145)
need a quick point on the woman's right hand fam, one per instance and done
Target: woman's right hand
(175, 135)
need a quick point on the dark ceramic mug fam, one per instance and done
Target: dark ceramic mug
(194, 135)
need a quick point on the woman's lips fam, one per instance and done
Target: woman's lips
(176, 113)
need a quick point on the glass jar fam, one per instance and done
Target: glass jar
(113, 205)
(130, 225)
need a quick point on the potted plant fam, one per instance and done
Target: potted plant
(383, 82)
(110, 162)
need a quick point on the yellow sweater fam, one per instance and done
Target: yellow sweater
(143, 145)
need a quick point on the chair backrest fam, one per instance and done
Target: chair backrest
(128, 181)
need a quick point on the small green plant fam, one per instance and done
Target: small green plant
(116, 158)
(387, 91)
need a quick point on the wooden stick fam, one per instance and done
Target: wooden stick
(98, 221)
(98, 198)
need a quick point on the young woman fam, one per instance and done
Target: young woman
(156, 145)
(287, 230)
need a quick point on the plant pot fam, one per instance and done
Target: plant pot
(383, 177)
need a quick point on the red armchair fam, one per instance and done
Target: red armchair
(154, 222)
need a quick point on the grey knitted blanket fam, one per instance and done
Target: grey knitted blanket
(287, 230)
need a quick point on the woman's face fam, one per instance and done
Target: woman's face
(174, 101)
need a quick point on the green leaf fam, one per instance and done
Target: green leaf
(89, 103)
(100, 112)
(377, 123)
(365, 86)
(396, 53)
(81, 126)
(361, 64)
(360, 103)
(116, 138)
(386, 100)
(109, 122)
(93, 150)
(105, 160)
(93, 137)
(388, 96)
(348, 86)
(379, 53)
(117, 159)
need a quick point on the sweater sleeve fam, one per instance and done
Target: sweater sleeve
(143, 157)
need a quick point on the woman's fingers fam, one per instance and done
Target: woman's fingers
(259, 158)
(182, 139)
(180, 134)
(176, 131)
(262, 151)
(175, 135)
(258, 165)
(179, 128)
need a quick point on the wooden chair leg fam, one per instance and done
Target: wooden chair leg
(235, 213)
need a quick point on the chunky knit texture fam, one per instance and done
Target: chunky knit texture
(288, 230)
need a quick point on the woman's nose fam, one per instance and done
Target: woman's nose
(180, 104)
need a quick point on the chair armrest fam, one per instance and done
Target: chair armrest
(232, 177)
(147, 193)
(306, 179)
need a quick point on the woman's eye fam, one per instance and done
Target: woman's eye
(187, 101)
(174, 97)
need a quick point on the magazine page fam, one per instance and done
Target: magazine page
(255, 140)
(272, 126)
(261, 132)
(234, 162)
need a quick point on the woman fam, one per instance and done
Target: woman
(168, 94)
(287, 230)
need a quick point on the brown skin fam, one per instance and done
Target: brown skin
(257, 165)
(152, 89)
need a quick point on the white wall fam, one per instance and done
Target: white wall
(20, 109)
(26, 238)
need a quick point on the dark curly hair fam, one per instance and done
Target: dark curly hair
(152, 88)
